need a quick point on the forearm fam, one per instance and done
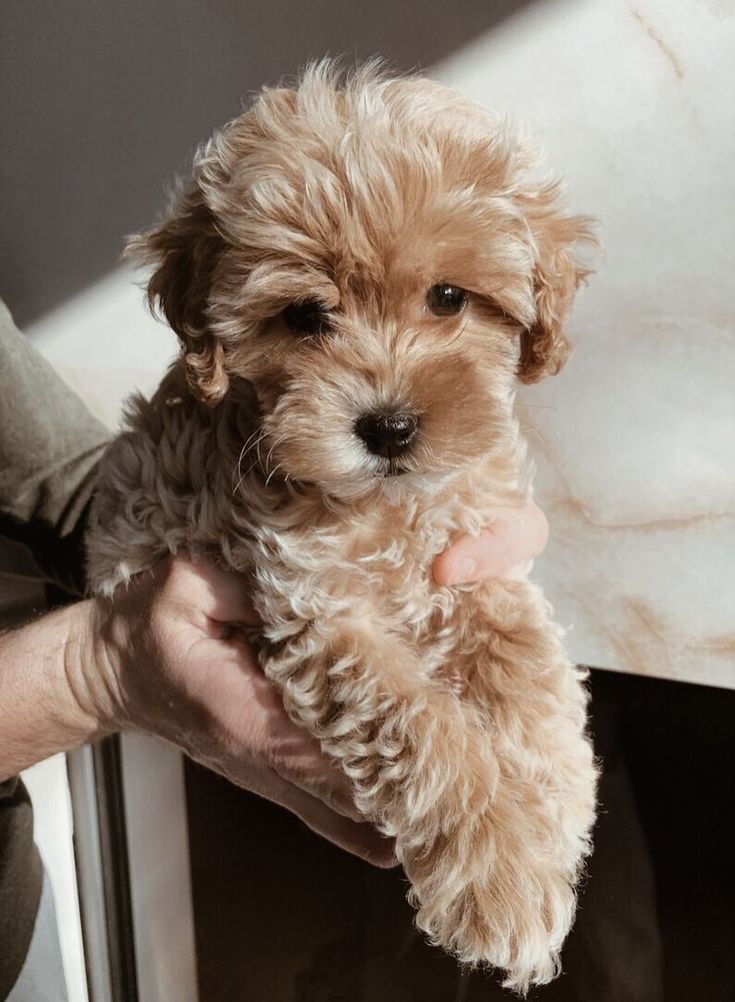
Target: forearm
(44, 702)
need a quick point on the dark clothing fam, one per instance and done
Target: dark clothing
(21, 879)
(49, 448)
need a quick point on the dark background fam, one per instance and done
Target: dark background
(104, 102)
(283, 916)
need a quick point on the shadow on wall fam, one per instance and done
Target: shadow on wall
(103, 103)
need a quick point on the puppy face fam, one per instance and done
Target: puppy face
(380, 260)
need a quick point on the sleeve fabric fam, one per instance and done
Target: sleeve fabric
(50, 445)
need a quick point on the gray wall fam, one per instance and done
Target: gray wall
(102, 103)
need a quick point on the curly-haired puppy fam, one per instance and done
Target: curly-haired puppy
(359, 271)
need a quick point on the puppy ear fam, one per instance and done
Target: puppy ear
(558, 274)
(184, 250)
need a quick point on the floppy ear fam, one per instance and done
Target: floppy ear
(558, 274)
(184, 250)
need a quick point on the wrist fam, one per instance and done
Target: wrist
(71, 697)
(94, 665)
(89, 673)
(47, 705)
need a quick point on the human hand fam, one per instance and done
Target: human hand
(170, 658)
(519, 535)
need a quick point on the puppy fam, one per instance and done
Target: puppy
(359, 271)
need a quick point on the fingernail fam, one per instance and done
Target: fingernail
(462, 570)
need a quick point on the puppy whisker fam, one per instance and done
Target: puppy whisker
(455, 337)
(273, 472)
(249, 445)
(246, 447)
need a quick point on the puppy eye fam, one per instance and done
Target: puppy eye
(445, 300)
(307, 317)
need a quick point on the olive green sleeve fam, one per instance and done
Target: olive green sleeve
(50, 446)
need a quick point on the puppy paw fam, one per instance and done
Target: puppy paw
(493, 899)
(517, 927)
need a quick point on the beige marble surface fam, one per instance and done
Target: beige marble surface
(636, 470)
(635, 440)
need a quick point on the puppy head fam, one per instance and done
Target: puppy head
(379, 259)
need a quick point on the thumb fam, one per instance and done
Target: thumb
(516, 536)
(221, 594)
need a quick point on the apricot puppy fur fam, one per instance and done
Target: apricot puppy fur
(359, 271)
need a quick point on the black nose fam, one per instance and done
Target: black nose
(389, 434)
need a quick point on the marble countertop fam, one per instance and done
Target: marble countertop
(635, 449)
(635, 439)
